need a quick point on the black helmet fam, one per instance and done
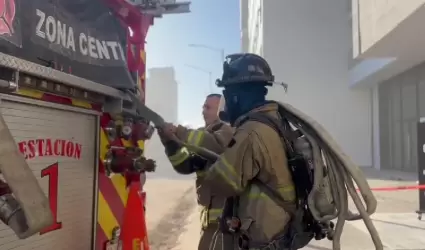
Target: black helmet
(245, 67)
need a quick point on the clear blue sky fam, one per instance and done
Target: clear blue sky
(213, 23)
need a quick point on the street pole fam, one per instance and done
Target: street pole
(203, 46)
(219, 50)
(222, 55)
(210, 84)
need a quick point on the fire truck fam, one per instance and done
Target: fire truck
(63, 100)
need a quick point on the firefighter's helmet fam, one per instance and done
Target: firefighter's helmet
(245, 67)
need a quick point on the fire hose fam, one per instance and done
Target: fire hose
(27, 211)
(341, 175)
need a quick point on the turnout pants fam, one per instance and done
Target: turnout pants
(207, 238)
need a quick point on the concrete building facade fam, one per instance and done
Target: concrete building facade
(355, 66)
(161, 96)
(307, 44)
(388, 44)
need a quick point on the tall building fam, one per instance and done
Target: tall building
(161, 96)
(307, 44)
(355, 66)
(162, 92)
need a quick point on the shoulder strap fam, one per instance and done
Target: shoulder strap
(286, 134)
(281, 126)
(288, 206)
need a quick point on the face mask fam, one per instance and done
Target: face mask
(232, 110)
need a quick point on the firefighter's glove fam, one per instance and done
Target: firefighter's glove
(182, 132)
(167, 132)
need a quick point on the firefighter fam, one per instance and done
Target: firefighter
(253, 171)
(214, 136)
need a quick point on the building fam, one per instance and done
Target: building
(388, 45)
(162, 85)
(307, 44)
(348, 65)
(161, 96)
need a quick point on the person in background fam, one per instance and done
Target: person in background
(215, 136)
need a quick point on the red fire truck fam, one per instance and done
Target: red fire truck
(66, 64)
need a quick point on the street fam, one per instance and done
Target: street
(395, 219)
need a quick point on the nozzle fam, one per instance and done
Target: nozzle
(12, 214)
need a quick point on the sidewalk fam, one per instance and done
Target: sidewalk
(389, 175)
(400, 231)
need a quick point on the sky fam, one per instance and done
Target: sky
(211, 23)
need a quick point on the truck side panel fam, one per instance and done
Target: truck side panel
(60, 147)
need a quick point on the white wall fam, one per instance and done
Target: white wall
(255, 26)
(161, 85)
(379, 17)
(243, 4)
(307, 44)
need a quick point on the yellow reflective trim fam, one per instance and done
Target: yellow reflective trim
(229, 166)
(190, 136)
(179, 157)
(208, 216)
(30, 93)
(228, 174)
(200, 173)
(104, 143)
(195, 137)
(287, 192)
(215, 210)
(199, 138)
(105, 217)
(120, 185)
(80, 103)
(214, 213)
(203, 217)
(255, 193)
